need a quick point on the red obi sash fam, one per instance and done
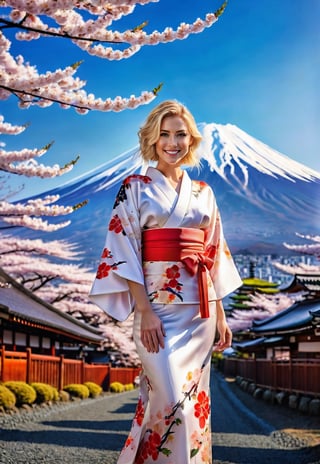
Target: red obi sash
(180, 244)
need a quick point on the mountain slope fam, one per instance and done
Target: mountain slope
(264, 196)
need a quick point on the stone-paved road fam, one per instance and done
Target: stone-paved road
(93, 432)
(243, 436)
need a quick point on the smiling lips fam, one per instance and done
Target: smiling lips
(172, 152)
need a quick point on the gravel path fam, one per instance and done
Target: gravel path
(93, 431)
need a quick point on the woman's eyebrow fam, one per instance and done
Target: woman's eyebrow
(179, 130)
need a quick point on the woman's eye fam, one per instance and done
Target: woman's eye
(180, 134)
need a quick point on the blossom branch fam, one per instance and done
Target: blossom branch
(91, 35)
(10, 129)
(34, 223)
(81, 101)
(22, 215)
(84, 31)
(33, 169)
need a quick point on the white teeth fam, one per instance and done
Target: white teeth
(172, 152)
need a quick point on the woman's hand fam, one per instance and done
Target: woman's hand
(225, 336)
(152, 331)
(224, 331)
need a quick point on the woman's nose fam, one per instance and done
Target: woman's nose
(172, 141)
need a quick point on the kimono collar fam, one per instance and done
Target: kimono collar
(182, 199)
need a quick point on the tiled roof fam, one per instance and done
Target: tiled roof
(297, 317)
(17, 301)
(310, 282)
(245, 344)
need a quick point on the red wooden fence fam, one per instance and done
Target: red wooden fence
(59, 371)
(296, 375)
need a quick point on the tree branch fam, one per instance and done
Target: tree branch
(16, 92)
(12, 25)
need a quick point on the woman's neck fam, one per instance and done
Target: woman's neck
(173, 174)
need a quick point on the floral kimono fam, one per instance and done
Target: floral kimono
(172, 420)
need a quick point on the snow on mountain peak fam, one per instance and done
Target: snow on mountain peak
(226, 147)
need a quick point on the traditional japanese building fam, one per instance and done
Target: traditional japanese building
(291, 333)
(26, 321)
(308, 283)
(251, 286)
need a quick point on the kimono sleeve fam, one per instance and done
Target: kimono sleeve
(224, 274)
(121, 256)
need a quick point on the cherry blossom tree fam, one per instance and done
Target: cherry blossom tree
(261, 307)
(36, 264)
(311, 249)
(88, 25)
(23, 163)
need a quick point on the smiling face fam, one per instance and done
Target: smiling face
(173, 143)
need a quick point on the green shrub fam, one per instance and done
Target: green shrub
(7, 398)
(116, 387)
(44, 392)
(77, 390)
(128, 386)
(94, 389)
(23, 392)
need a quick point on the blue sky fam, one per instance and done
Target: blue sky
(257, 68)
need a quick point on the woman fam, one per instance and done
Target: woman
(166, 257)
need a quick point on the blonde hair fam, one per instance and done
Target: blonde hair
(149, 133)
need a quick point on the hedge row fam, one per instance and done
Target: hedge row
(118, 387)
(17, 393)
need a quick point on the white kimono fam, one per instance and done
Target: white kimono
(172, 421)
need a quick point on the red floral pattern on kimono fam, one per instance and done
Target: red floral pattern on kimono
(202, 408)
(156, 441)
(104, 268)
(172, 420)
(146, 202)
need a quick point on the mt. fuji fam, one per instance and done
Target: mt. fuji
(264, 196)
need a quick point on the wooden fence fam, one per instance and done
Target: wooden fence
(59, 371)
(296, 375)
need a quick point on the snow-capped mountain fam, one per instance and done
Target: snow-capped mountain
(264, 196)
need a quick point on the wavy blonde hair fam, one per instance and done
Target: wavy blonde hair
(149, 133)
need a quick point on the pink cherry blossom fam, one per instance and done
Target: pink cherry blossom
(88, 26)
